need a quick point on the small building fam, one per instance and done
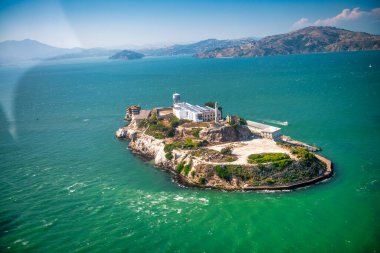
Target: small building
(132, 110)
(143, 114)
(263, 130)
(195, 113)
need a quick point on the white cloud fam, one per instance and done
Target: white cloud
(301, 23)
(345, 16)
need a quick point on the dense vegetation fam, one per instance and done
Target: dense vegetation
(273, 168)
(160, 129)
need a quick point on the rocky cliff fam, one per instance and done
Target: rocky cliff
(192, 166)
(225, 134)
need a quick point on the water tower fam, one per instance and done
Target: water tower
(176, 98)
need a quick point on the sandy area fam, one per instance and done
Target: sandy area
(245, 148)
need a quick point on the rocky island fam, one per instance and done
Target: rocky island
(126, 55)
(202, 149)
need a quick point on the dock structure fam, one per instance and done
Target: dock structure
(263, 130)
(288, 140)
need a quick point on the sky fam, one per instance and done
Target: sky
(141, 23)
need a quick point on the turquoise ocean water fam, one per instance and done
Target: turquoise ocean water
(67, 185)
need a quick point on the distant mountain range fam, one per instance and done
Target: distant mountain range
(14, 51)
(307, 40)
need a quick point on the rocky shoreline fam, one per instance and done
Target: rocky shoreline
(195, 167)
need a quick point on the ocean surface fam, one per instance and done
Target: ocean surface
(67, 185)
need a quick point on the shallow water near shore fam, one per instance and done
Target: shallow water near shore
(68, 185)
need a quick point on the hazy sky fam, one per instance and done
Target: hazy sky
(113, 23)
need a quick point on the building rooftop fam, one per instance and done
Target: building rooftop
(144, 114)
(193, 108)
(263, 127)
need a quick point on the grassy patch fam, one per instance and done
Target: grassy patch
(267, 158)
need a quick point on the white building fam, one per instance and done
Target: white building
(195, 113)
(265, 131)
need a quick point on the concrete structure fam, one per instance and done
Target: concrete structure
(143, 114)
(195, 113)
(163, 112)
(132, 110)
(265, 131)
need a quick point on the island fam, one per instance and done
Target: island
(127, 55)
(203, 149)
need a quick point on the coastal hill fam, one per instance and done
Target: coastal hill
(195, 48)
(127, 55)
(311, 39)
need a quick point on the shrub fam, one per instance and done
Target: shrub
(154, 116)
(255, 183)
(195, 132)
(231, 159)
(303, 153)
(202, 143)
(170, 132)
(202, 180)
(143, 123)
(168, 148)
(226, 151)
(186, 169)
(169, 155)
(193, 173)
(179, 167)
(158, 135)
(190, 144)
(239, 171)
(223, 172)
(269, 181)
(243, 122)
(174, 121)
(282, 163)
